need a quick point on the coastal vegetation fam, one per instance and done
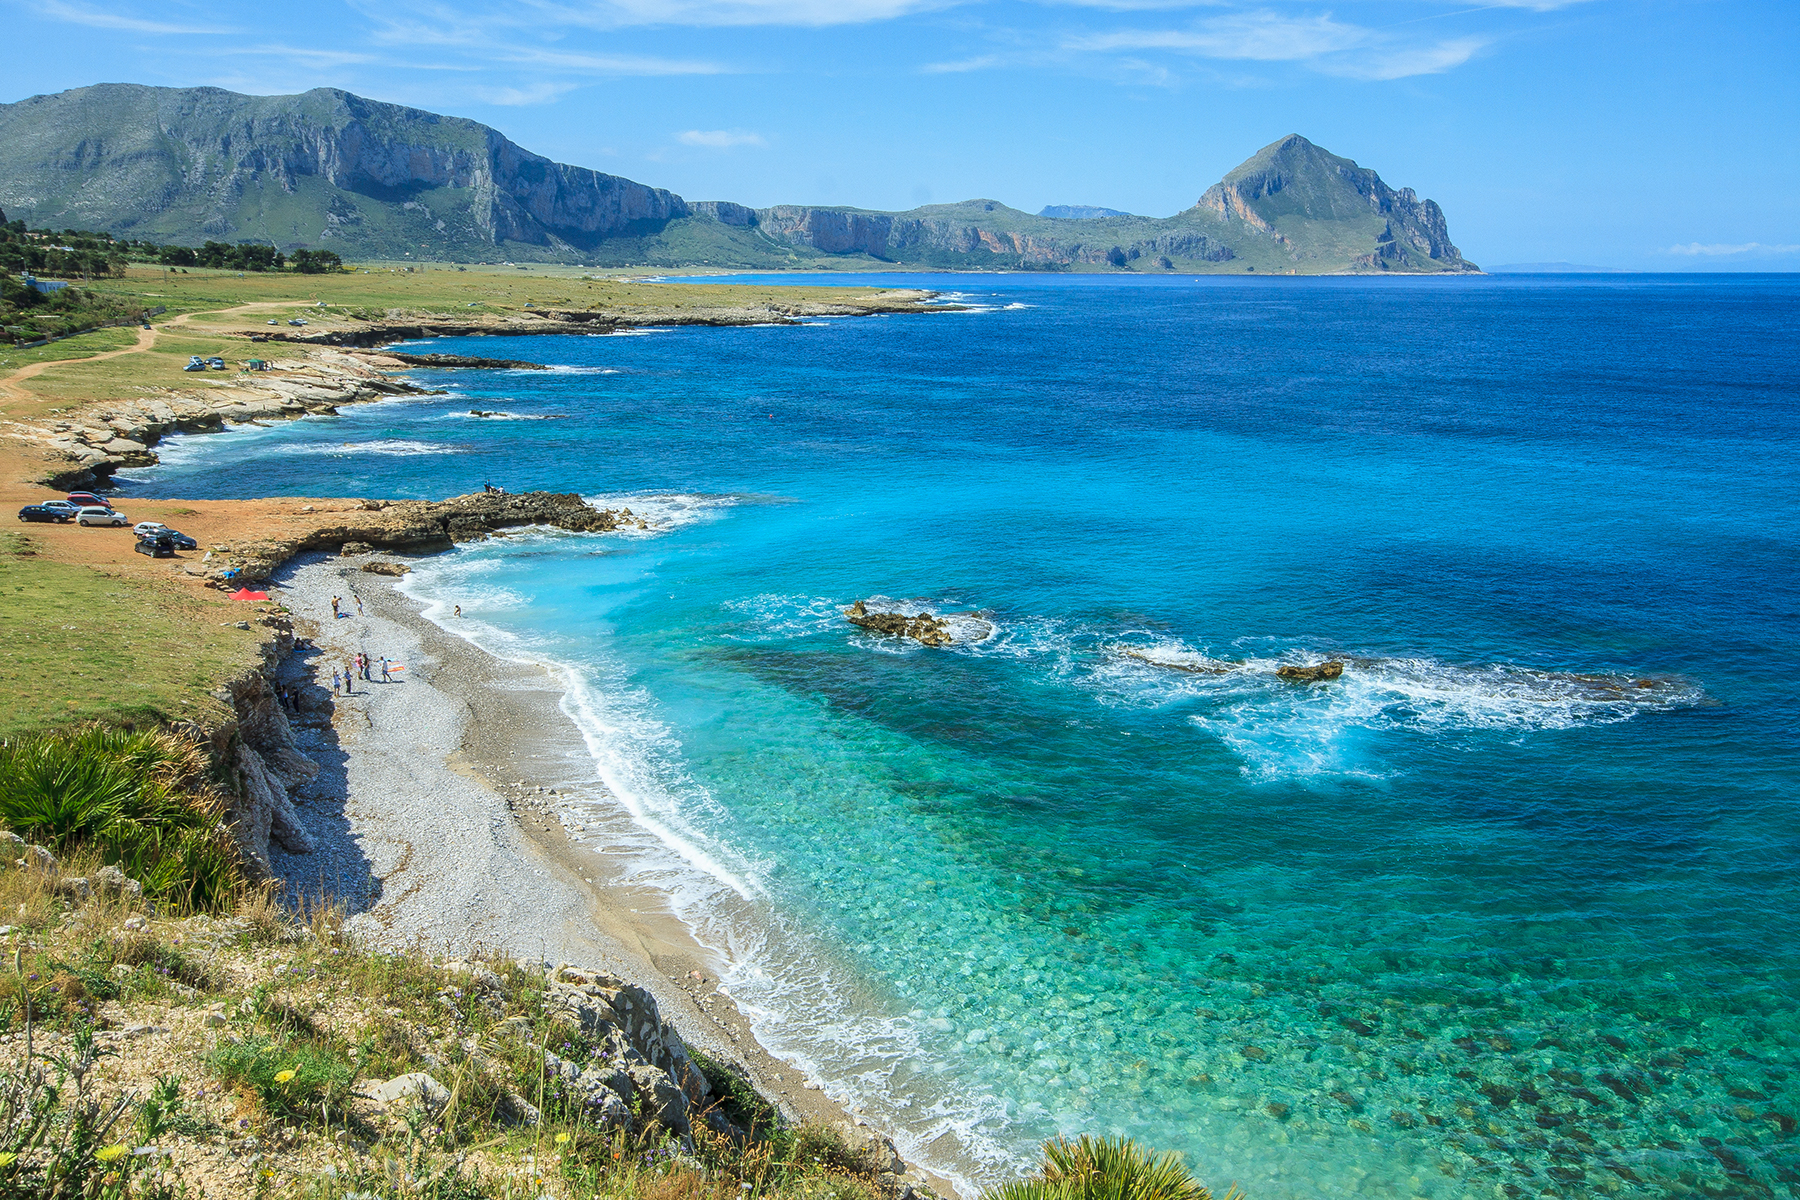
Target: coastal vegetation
(146, 1053)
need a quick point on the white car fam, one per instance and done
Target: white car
(144, 527)
(96, 515)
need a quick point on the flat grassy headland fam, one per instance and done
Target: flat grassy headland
(81, 644)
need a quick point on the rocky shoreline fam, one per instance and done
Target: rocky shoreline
(393, 802)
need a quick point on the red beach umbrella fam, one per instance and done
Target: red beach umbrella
(247, 594)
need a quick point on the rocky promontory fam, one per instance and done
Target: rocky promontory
(409, 527)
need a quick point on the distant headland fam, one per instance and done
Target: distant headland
(328, 170)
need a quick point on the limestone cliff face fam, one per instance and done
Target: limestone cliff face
(1289, 188)
(369, 179)
(324, 168)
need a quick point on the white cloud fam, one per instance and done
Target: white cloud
(981, 63)
(1262, 36)
(1717, 250)
(606, 64)
(610, 14)
(105, 20)
(536, 93)
(1399, 64)
(720, 139)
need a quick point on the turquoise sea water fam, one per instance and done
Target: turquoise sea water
(1508, 909)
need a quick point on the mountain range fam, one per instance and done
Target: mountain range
(330, 170)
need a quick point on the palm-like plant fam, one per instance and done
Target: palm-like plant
(140, 799)
(1106, 1169)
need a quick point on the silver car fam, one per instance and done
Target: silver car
(95, 515)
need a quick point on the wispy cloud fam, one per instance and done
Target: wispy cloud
(979, 63)
(1402, 63)
(1719, 250)
(106, 20)
(536, 93)
(611, 14)
(1264, 36)
(720, 139)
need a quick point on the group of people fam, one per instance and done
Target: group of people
(360, 666)
(337, 601)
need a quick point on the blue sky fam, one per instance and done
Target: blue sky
(1652, 134)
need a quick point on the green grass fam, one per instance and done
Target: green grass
(79, 346)
(78, 645)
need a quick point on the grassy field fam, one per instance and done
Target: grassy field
(78, 644)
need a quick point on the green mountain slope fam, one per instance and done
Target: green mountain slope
(331, 170)
(325, 169)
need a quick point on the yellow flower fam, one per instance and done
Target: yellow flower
(111, 1154)
(7, 1159)
(561, 1138)
(284, 1076)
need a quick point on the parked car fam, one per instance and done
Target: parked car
(146, 528)
(195, 363)
(43, 512)
(96, 514)
(156, 546)
(216, 363)
(88, 499)
(182, 540)
(298, 321)
(273, 321)
(62, 506)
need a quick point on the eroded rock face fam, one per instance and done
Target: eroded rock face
(639, 1061)
(259, 746)
(1312, 674)
(922, 627)
(414, 527)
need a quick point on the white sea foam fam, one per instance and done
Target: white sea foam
(651, 818)
(562, 369)
(397, 447)
(663, 512)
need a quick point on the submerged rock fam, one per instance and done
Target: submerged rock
(1195, 665)
(1312, 674)
(923, 628)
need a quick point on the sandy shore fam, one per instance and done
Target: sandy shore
(433, 814)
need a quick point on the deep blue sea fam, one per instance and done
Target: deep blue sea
(1510, 908)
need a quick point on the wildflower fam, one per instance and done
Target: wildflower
(8, 1159)
(286, 1076)
(561, 1138)
(112, 1154)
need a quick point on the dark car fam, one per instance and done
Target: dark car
(159, 545)
(182, 541)
(39, 512)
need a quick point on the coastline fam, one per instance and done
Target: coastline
(433, 822)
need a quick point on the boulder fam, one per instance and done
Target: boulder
(922, 627)
(414, 1085)
(74, 887)
(383, 567)
(1312, 674)
(110, 881)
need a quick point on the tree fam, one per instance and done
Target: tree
(317, 262)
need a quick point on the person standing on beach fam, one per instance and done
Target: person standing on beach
(359, 611)
(459, 611)
(337, 682)
(334, 608)
(384, 671)
(349, 679)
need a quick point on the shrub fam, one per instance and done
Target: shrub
(294, 1080)
(139, 799)
(1105, 1169)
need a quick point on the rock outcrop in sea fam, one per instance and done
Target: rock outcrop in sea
(920, 627)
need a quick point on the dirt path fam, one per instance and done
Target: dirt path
(146, 338)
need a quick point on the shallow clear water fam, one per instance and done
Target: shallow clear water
(1507, 909)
